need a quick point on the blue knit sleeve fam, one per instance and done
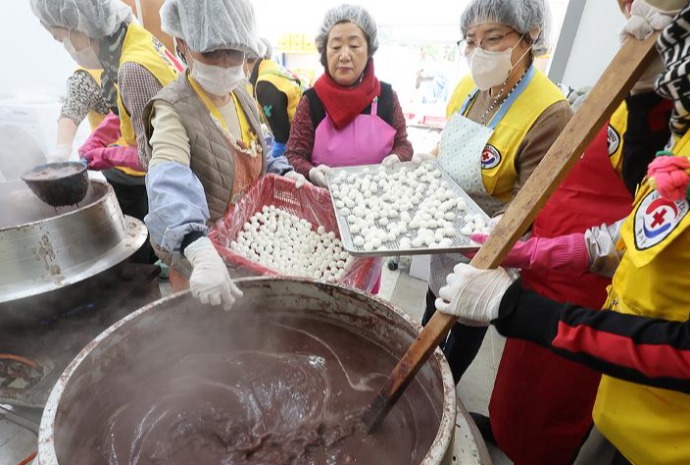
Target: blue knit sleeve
(276, 161)
(177, 205)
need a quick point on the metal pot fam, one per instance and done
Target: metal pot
(64, 437)
(43, 248)
(58, 184)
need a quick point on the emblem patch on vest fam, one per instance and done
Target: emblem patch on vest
(165, 54)
(491, 157)
(656, 218)
(613, 139)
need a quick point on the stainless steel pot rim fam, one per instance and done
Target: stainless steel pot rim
(57, 215)
(440, 447)
(135, 236)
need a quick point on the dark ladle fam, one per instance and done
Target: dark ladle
(58, 184)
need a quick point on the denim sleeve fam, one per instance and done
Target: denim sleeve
(177, 205)
(277, 164)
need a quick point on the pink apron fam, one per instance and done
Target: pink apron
(365, 141)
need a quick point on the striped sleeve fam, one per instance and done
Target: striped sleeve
(633, 348)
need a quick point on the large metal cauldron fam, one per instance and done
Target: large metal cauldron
(79, 391)
(44, 248)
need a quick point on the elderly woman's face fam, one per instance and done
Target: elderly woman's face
(225, 58)
(347, 53)
(495, 37)
(79, 40)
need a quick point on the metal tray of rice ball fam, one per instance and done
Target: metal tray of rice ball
(406, 209)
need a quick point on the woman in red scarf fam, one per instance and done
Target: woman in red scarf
(349, 117)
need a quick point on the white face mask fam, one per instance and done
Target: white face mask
(87, 58)
(216, 79)
(490, 69)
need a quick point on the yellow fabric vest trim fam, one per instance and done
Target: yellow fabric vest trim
(142, 48)
(505, 142)
(249, 137)
(94, 118)
(650, 425)
(270, 72)
(618, 124)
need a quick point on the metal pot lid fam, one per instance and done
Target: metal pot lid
(42, 255)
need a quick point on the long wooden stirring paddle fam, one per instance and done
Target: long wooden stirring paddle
(616, 82)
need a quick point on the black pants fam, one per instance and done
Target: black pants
(462, 344)
(620, 460)
(134, 202)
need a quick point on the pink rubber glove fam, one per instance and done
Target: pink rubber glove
(670, 176)
(562, 253)
(101, 155)
(104, 158)
(108, 132)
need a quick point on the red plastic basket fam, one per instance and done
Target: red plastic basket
(309, 202)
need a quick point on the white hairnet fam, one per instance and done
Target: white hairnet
(522, 15)
(268, 48)
(261, 46)
(95, 18)
(207, 25)
(348, 14)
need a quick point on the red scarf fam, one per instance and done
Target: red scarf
(344, 104)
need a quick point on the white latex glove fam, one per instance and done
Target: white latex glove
(474, 295)
(494, 221)
(644, 20)
(210, 281)
(391, 160)
(59, 153)
(422, 157)
(318, 175)
(298, 178)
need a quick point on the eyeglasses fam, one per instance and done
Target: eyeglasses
(235, 56)
(490, 43)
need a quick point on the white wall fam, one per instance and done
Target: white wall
(595, 44)
(39, 66)
(33, 63)
(34, 70)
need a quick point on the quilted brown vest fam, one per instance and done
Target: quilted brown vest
(211, 155)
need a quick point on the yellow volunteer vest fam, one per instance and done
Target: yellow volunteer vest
(248, 135)
(94, 118)
(142, 48)
(650, 425)
(269, 71)
(618, 124)
(503, 146)
(245, 165)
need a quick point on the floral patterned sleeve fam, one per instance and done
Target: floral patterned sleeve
(83, 94)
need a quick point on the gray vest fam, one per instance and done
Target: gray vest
(211, 155)
(212, 158)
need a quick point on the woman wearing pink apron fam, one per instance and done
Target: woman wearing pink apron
(349, 117)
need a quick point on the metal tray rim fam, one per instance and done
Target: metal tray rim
(346, 237)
